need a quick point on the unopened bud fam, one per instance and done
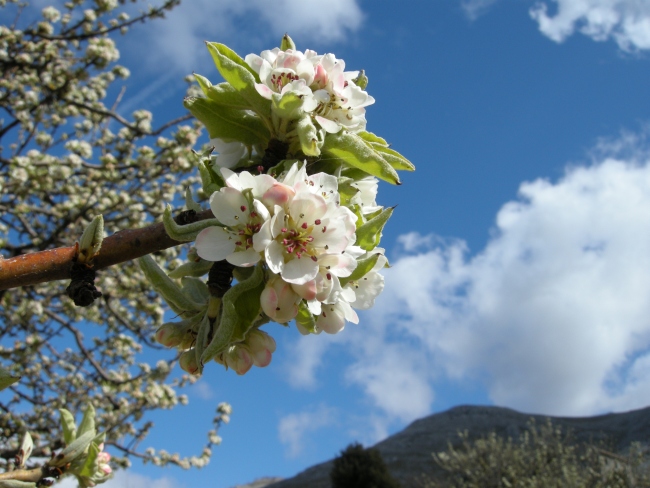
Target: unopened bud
(261, 346)
(287, 43)
(188, 362)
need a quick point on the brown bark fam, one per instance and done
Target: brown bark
(55, 264)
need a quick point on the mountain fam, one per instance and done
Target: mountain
(408, 453)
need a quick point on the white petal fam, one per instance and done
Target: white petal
(300, 270)
(229, 206)
(215, 243)
(329, 125)
(244, 258)
(263, 238)
(274, 257)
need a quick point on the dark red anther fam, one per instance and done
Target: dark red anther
(304, 225)
(317, 221)
(243, 208)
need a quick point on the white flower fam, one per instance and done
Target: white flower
(327, 90)
(242, 221)
(367, 194)
(361, 293)
(301, 230)
(333, 316)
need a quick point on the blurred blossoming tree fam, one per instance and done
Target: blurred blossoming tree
(67, 154)
(291, 234)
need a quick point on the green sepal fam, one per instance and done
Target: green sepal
(68, 426)
(287, 43)
(7, 379)
(202, 340)
(354, 151)
(72, 451)
(169, 290)
(190, 204)
(187, 232)
(241, 76)
(241, 273)
(308, 136)
(87, 422)
(287, 105)
(191, 268)
(240, 307)
(194, 287)
(305, 318)
(364, 266)
(369, 234)
(227, 123)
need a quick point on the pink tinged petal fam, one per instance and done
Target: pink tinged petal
(338, 264)
(300, 270)
(331, 319)
(254, 61)
(329, 125)
(229, 206)
(307, 207)
(239, 359)
(244, 258)
(279, 194)
(215, 243)
(261, 358)
(269, 301)
(274, 257)
(264, 90)
(307, 290)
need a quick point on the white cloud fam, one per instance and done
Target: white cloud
(552, 316)
(475, 8)
(176, 43)
(293, 427)
(625, 21)
(127, 479)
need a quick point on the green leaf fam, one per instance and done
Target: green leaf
(227, 123)
(370, 137)
(288, 105)
(202, 340)
(223, 93)
(90, 464)
(363, 268)
(169, 290)
(16, 484)
(6, 378)
(347, 190)
(187, 232)
(191, 268)
(88, 421)
(395, 159)
(196, 289)
(369, 234)
(241, 76)
(73, 450)
(354, 151)
(240, 306)
(91, 240)
(305, 317)
(68, 425)
(190, 204)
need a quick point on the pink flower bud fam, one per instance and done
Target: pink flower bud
(279, 301)
(168, 335)
(188, 362)
(239, 359)
(261, 346)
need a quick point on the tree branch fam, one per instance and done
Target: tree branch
(54, 264)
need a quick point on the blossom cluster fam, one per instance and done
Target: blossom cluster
(298, 228)
(293, 190)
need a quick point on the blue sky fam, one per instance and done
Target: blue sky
(519, 247)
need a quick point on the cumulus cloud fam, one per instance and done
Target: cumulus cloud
(293, 428)
(176, 43)
(625, 21)
(127, 479)
(552, 316)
